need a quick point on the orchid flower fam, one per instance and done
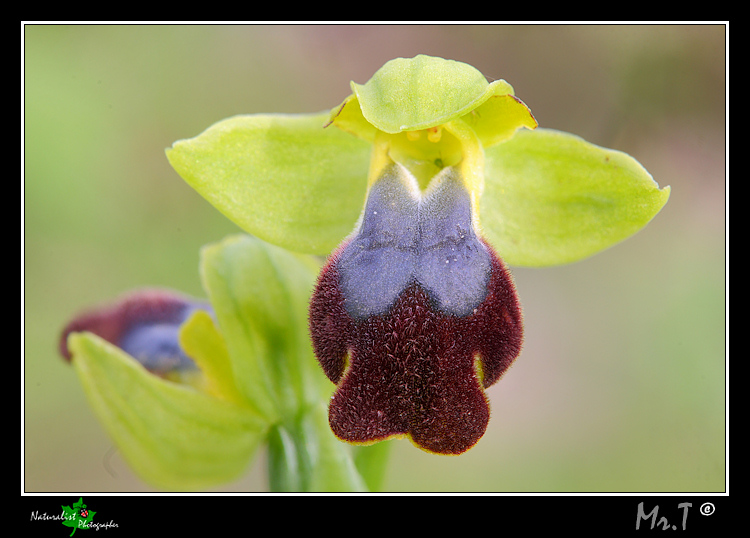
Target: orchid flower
(421, 188)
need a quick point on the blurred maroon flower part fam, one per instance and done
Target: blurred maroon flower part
(143, 323)
(413, 317)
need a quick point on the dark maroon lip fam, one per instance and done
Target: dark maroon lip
(410, 340)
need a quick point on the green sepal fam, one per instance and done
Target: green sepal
(552, 198)
(286, 179)
(174, 437)
(409, 94)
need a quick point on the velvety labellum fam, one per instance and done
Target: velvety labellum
(413, 317)
(145, 324)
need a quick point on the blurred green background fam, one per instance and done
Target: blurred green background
(621, 383)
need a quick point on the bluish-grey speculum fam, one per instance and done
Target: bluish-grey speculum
(407, 237)
(157, 347)
(145, 324)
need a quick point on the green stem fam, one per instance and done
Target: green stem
(304, 456)
(283, 462)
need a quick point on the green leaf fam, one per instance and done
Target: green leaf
(553, 198)
(422, 92)
(283, 178)
(173, 436)
(260, 295)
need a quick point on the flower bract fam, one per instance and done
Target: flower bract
(251, 380)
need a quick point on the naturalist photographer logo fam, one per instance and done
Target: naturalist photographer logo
(78, 516)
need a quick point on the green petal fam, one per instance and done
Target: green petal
(173, 436)
(422, 92)
(553, 198)
(202, 342)
(283, 178)
(498, 118)
(260, 294)
(348, 117)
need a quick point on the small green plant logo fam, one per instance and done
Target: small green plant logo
(78, 516)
